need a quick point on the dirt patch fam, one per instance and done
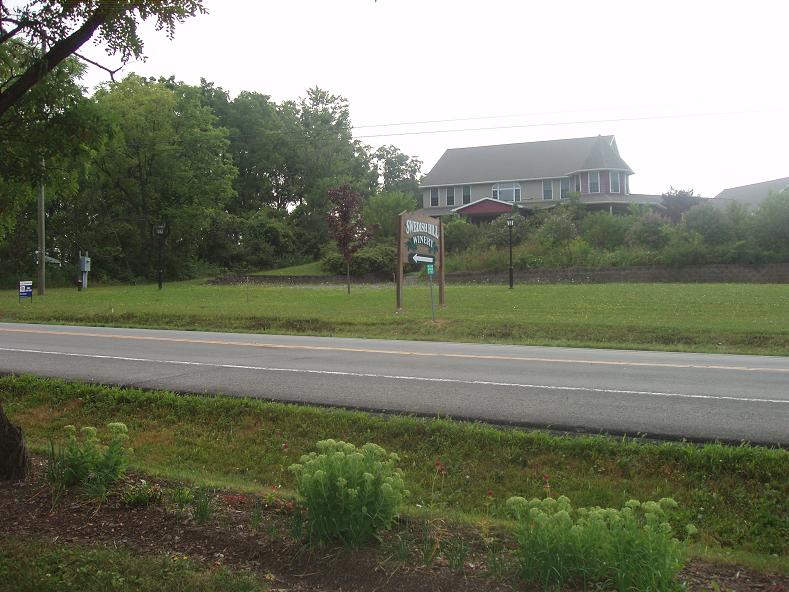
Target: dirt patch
(257, 534)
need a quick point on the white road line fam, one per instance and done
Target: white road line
(395, 377)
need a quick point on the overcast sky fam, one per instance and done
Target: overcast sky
(694, 91)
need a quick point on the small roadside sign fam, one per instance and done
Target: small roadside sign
(25, 290)
(429, 269)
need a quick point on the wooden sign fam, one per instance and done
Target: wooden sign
(420, 239)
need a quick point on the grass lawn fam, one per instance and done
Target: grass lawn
(736, 496)
(726, 318)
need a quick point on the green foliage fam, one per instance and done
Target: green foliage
(381, 213)
(709, 222)
(202, 505)
(375, 259)
(771, 222)
(30, 565)
(350, 494)
(85, 462)
(459, 234)
(141, 494)
(605, 231)
(632, 549)
(648, 230)
(497, 233)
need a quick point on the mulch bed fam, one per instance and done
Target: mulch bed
(259, 540)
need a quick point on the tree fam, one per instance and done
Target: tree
(679, 201)
(64, 26)
(382, 212)
(14, 460)
(344, 220)
(397, 171)
(166, 161)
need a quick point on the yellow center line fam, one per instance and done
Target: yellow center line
(389, 351)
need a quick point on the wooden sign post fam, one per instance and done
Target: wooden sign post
(420, 240)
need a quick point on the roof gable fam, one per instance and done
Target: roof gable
(529, 160)
(756, 192)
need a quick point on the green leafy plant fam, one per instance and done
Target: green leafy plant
(84, 461)
(181, 498)
(202, 505)
(349, 494)
(141, 494)
(625, 550)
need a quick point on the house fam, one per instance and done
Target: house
(486, 181)
(752, 195)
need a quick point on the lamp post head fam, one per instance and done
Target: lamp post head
(510, 222)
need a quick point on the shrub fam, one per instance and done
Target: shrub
(459, 235)
(497, 233)
(627, 550)
(371, 259)
(604, 230)
(710, 222)
(85, 462)
(349, 494)
(649, 230)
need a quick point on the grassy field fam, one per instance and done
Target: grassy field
(727, 318)
(736, 496)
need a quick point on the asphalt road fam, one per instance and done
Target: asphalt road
(657, 394)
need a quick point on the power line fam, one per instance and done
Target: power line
(574, 122)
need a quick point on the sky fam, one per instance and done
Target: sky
(695, 91)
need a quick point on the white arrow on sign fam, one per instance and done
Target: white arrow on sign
(417, 258)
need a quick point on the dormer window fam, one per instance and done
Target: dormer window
(507, 191)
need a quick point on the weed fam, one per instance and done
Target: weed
(182, 498)
(456, 551)
(202, 505)
(141, 494)
(429, 545)
(256, 515)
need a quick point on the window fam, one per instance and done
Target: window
(434, 196)
(466, 194)
(450, 196)
(507, 191)
(594, 182)
(564, 189)
(615, 187)
(578, 184)
(547, 189)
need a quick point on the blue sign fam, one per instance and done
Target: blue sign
(25, 290)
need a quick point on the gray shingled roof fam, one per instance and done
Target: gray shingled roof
(752, 195)
(529, 160)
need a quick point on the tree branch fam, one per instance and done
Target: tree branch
(59, 52)
(109, 71)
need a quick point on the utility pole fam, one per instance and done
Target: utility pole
(42, 257)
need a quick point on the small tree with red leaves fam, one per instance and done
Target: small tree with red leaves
(345, 224)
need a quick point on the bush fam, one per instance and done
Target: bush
(459, 235)
(349, 494)
(649, 230)
(710, 222)
(497, 233)
(371, 259)
(604, 230)
(86, 462)
(626, 550)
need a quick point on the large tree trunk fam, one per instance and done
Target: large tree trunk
(14, 460)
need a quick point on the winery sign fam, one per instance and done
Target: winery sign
(420, 241)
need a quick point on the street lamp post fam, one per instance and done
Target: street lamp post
(159, 229)
(510, 224)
